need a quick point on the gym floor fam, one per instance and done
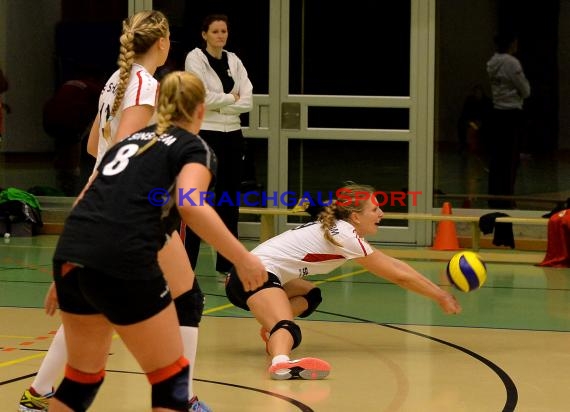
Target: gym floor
(390, 350)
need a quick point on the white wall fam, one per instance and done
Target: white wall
(27, 49)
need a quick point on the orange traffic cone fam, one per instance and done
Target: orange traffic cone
(446, 235)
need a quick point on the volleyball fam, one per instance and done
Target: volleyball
(466, 271)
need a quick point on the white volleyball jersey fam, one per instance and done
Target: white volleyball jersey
(142, 89)
(304, 251)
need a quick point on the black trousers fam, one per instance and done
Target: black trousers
(228, 147)
(506, 131)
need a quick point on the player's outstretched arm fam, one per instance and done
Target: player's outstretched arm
(407, 277)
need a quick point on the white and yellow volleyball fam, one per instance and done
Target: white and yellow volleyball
(466, 271)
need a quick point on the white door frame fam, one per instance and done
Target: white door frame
(265, 118)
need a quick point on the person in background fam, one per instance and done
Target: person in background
(94, 280)
(229, 93)
(319, 247)
(127, 104)
(509, 88)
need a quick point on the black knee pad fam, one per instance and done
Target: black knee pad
(189, 307)
(171, 392)
(77, 390)
(314, 299)
(292, 328)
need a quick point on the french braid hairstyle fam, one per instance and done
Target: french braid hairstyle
(140, 32)
(342, 210)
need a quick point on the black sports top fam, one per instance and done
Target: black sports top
(222, 69)
(120, 224)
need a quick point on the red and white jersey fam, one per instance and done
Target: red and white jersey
(304, 251)
(142, 89)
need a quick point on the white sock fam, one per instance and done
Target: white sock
(190, 342)
(279, 358)
(53, 364)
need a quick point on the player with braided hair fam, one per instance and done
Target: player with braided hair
(128, 99)
(127, 104)
(94, 281)
(319, 247)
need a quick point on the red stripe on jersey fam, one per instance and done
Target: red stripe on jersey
(139, 88)
(362, 246)
(360, 242)
(321, 257)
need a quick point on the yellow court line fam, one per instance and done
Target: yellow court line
(20, 360)
(319, 282)
(39, 355)
(346, 275)
(217, 309)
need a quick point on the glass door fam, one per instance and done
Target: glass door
(354, 105)
(340, 94)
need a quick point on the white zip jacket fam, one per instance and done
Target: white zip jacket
(222, 112)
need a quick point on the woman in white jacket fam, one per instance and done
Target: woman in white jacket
(228, 94)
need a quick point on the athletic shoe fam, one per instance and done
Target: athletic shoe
(304, 368)
(32, 402)
(196, 405)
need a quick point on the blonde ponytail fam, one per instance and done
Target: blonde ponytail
(342, 210)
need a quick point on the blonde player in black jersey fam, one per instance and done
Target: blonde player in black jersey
(127, 104)
(120, 288)
(319, 247)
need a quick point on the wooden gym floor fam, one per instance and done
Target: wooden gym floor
(390, 350)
